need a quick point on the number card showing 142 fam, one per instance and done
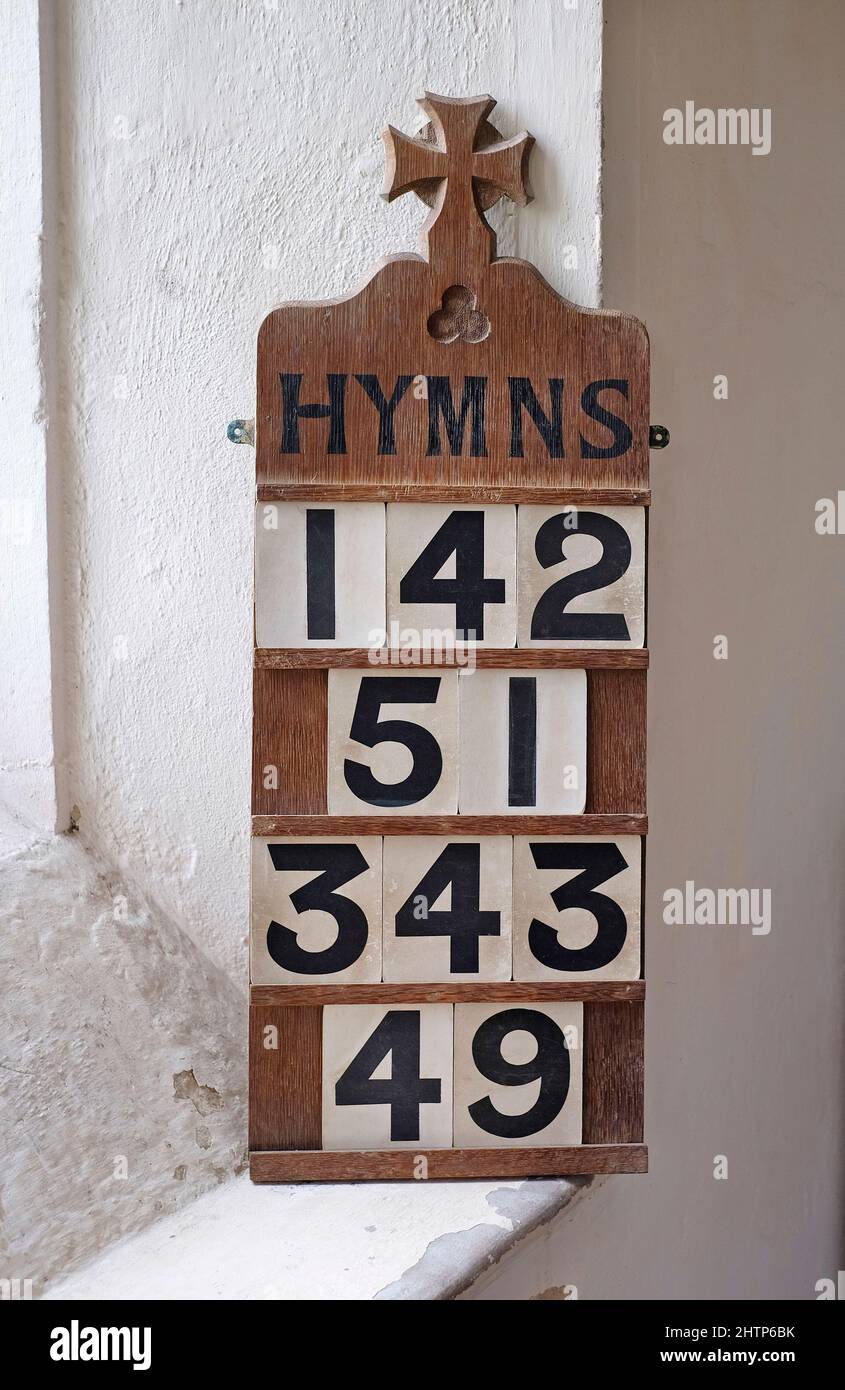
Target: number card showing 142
(358, 574)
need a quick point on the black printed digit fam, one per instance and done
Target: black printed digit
(369, 730)
(459, 865)
(334, 866)
(550, 621)
(397, 1036)
(461, 535)
(320, 573)
(598, 863)
(522, 741)
(550, 1066)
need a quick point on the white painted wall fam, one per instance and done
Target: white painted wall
(736, 264)
(216, 159)
(27, 781)
(205, 160)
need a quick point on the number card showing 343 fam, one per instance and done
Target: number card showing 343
(425, 908)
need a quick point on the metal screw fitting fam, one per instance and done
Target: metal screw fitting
(241, 432)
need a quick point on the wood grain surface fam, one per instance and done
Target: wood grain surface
(499, 991)
(449, 825)
(616, 741)
(285, 1104)
(534, 333)
(319, 658)
(439, 492)
(403, 1165)
(289, 723)
(613, 1073)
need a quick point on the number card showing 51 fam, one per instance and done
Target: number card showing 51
(419, 575)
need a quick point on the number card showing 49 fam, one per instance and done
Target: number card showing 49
(449, 708)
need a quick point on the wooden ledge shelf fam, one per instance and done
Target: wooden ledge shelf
(523, 658)
(450, 825)
(450, 492)
(493, 991)
(402, 1165)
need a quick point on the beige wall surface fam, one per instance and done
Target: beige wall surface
(735, 262)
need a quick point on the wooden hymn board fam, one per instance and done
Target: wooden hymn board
(449, 708)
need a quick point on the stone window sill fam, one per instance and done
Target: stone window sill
(391, 1241)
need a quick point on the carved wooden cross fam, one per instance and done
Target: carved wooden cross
(461, 167)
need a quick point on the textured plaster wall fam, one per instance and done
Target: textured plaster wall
(204, 159)
(121, 1089)
(218, 158)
